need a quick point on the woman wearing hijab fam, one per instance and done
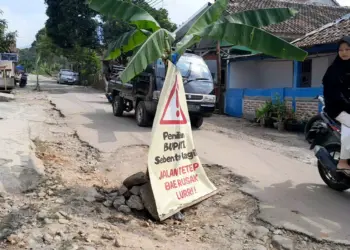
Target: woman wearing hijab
(336, 90)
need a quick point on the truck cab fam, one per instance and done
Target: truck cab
(142, 93)
(7, 76)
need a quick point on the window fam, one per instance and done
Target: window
(306, 74)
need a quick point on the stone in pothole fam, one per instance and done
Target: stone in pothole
(259, 232)
(135, 202)
(282, 243)
(120, 200)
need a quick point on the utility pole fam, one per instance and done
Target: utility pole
(218, 77)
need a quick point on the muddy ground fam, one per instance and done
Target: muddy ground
(63, 213)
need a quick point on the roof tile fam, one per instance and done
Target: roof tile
(327, 34)
(309, 18)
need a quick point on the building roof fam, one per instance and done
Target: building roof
(310, 16)
(328, 34)
(326, 2)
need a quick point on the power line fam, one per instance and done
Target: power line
(150, 2)
(156, 3)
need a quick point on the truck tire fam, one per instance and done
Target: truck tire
(118, 106)
(197, 121)
(142, 117)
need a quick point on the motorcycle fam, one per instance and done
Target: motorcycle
(23, 80)
(328, 155)
(315, 122)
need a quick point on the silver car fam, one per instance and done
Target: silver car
(68, 77)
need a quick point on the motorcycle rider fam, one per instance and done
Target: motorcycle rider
(336, 83)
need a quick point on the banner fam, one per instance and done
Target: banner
(177, 177)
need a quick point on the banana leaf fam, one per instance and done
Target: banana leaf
(210, 16)
(125, 11)
(253, 38)
(152, 49)
(125, 43)
(261, 17)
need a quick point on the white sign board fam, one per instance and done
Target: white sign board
(177, 177)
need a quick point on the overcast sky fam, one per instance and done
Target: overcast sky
(28, 16)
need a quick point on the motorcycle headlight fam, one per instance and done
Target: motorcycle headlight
(209, 98)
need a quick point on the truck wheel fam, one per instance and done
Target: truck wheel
(142, 116)
(118, 106)
(197, 121)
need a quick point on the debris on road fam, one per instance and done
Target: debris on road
(74, 206)
(4, 97)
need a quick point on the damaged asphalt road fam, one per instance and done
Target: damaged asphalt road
(19, 169)
(291, 193)
(82, 145)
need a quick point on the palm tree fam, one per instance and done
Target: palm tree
(150, 42)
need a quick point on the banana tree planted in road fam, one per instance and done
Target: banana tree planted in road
(150, 42)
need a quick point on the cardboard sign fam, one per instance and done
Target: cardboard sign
(177, 177)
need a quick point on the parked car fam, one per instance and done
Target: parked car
(142, 93)
(67, 77)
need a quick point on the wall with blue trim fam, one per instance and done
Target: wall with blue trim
(234, 104)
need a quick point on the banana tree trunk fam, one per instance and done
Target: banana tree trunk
(37, 88)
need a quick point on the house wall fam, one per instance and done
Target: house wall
(261, 74)
(245, 102)
(244, 75)
(319, 67)
(276, 74)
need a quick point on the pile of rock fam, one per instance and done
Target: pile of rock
(135, 194)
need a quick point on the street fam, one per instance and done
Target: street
(82, 145)
(292, 194)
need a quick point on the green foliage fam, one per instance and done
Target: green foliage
(253, 38)
(156, 47)
(280, 108)
(51, 59)
(7, 39)
(265, 111)
(27, 58)
(85, 61)
(261, 17)
(209, 17)
(236, 29)
(134, 14)
(71, 23)
(125, 43)
(115, 30)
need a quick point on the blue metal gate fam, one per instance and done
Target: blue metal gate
(234, 102)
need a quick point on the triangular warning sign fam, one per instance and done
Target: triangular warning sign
(173, 114)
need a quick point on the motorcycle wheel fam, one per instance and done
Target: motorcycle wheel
(334, 150)
(309, 125)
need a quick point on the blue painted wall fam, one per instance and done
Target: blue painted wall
(235, 97)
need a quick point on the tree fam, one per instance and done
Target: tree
(112, 27)
(51, 58)
(71, 23)
(27, 58)
(7, 39)
(155, 42)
